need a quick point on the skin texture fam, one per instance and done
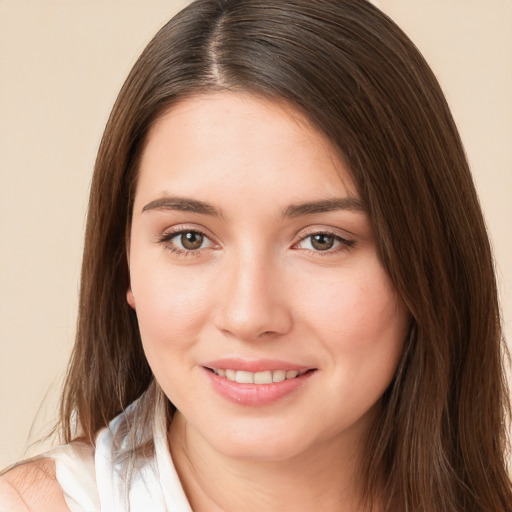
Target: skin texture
(32, 487)
(257, 288)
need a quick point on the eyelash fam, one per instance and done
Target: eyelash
(167, 237)
(344, 243)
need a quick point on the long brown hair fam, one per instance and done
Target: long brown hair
(439, 443)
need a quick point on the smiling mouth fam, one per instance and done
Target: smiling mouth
(264, 377)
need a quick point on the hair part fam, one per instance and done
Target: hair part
(439, 443)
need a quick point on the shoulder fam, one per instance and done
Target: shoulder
(32, 487)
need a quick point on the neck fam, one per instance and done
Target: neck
(322, 478)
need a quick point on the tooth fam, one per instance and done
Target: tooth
(263, 377)
(278, 376)
(244, 377)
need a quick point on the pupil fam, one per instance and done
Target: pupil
(322, 242)
(191, 240)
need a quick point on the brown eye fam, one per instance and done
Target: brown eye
(185, 242)
(322, 242)
(191, 240)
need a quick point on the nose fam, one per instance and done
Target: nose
(253, 300)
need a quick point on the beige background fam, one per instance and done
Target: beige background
(61, 65)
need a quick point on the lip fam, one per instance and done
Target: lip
(259, 365)
(256, 395)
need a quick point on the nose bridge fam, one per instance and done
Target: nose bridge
(253, 301)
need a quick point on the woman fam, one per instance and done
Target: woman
(287, 285)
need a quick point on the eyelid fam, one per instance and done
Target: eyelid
(171, 231)
(347, 241)
(168, 234)
(319, 229)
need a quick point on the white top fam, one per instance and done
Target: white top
(92, 480)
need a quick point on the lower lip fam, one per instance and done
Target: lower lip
(255, 394)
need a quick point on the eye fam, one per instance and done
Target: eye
(324, 242)
(191, 240)
(186, 241)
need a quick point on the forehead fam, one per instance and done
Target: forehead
(235, 142)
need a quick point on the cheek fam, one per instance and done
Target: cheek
(363, 325)
(172, 308)
(171, 304)
(359, 317)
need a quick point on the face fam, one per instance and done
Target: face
(264, 311)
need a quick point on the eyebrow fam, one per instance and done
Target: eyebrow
(325, 205)
(186, 204)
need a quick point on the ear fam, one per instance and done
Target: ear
(130, 298)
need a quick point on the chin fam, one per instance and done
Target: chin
(269, 445)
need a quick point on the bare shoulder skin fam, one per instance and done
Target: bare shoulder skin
(32, 487)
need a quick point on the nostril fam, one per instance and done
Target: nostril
(266, 334)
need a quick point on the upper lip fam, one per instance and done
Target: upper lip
(255, 365)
